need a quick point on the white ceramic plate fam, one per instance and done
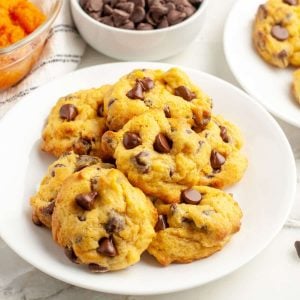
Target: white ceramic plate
(265, 194)
(270, 85)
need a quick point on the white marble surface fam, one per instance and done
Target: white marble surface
(273, 274)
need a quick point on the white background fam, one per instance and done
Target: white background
(274, 274)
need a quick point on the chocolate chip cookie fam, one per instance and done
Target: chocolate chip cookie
(160, 155)
(201, 224)
(101, 220)
(43, 201)
(227, 164)
(276, 32)
(143, 90)
(76, 123)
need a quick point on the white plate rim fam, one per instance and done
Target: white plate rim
(292, 192)
(226, 46)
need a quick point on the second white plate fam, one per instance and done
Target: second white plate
(270, 85)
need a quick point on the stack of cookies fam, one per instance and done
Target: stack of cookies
(276, 36)
(141, 166)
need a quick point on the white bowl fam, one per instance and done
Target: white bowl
(137, 45)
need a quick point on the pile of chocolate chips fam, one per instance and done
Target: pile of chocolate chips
(140, 14)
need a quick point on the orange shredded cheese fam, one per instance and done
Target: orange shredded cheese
(18, 18)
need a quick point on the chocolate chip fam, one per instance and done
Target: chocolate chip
(100, 110)
(184, 93)
(282, 55)
(223, 134)
(126, 6)
(174, 17)
(162, 144)
(144, 26)
(201, 121)
(136, 92)
(115, 224)
(84, 161)
(119, 17)
(167, 111)
(190, 196)
(128, 25)
(163, 23)
(297, 246)
(170, 6)
(262, 12)
(150, 20)
(70, 254)
(216, 160)
(113, 3)
(48, 210)
(138, 14)
(95, 15)
(107, 20)
(142, 161)
(187, 8)
(279, 33)
(131, 140)
(95, 268)
(107, 247)
(291, 2)
(82, 146)
(162, 223)
(92, 5)
(156, 13)
(68, 112)
(107, 10)
(147, 83)
(86, 201)
(138, 2)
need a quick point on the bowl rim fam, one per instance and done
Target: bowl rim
(200, 10)
(46, 24)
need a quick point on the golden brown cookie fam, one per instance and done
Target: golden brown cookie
(197, 227)
(102, 220)
(142, 90)
(159, 155)
(227, 164)
(43, 201)
(276, 32)
(76, 123)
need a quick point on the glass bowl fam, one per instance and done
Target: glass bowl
(17, 60)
